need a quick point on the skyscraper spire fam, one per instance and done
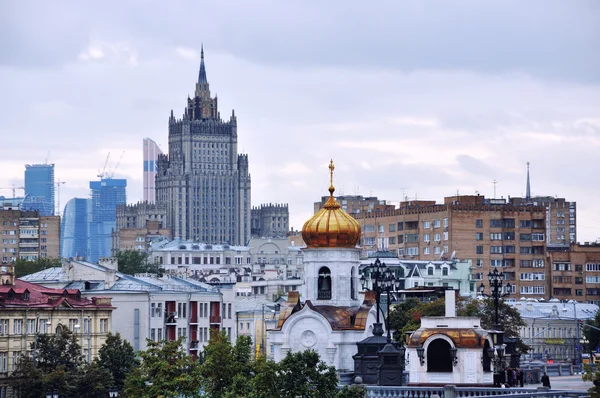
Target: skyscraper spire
(202, 74)
(528, 188)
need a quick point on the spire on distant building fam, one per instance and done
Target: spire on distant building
(202, 74)
(528, 188)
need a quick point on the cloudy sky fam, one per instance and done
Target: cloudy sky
(409, 98)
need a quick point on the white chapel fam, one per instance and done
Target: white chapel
(333, 316)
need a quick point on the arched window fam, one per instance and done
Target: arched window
(324, 284)
(438, 356)
(353, 284)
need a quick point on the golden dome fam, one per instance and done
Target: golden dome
(331, 226)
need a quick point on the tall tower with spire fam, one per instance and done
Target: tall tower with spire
(203, 181)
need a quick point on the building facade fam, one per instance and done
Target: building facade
(575, 272)
(106, 195)
(74, 228)
(203, 181)
(28, 236)
(138, 225)
(491, 233)
(151, 151)
(39, 187)
(148, 306)
(270, 220)
(29, 310)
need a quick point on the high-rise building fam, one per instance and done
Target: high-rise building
(270, 220)
(203, 181)
(107, 194)
(74, 228)
(39, 187)
(28, 236)
(137, 225)
(151, 152)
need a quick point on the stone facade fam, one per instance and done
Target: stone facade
(203, 181)
(270, 220)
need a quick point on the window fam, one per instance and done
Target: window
(479, 223)
(103, 325)
(562, 267)
(3, 327)
(533, 289)
(444, 271)
(592, 267)
(508, 223)
(4, 362)
(509, 249)
(430, 271)
(496, 249)
(426, 250)
(525, 237)
(369, 228)
(478, 235)
(538, 263)
(152, 309)
(496, 236)
(392, 227)
(16, 359)
(479, 249)
(525, 223)
(437, 237)
(426, 224)
(445, 235)
(412, 251)
(437, 250)
(324, 284)
(496, 224)
(425, 238)
(400, 239)
(579, 267)
(533, 276)
(153, 334)
(436, 223)
(537, 237)
(30, 326)
(445, 221)
(525, 250)
(592, 279)
(159, 334)
(229, 310)
(17, 326)
(392, 240)
(400, 226)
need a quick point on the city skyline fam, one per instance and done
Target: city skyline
(404, 102)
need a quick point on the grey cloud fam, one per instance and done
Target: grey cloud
(474, 165)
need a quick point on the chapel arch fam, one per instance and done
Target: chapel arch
(438, 356)
(324, 284)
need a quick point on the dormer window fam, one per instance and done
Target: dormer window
(445, 271)
(430, 271)
(26, 295)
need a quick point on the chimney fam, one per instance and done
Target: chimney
(110, 278)
(450, 304)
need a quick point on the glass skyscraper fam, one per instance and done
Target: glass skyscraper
(107, 194)
(39, 188)
(74, 228)
(151, 152)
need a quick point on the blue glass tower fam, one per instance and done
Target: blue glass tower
(39, 188)
(107, 194)
(74, 228)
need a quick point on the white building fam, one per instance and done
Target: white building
(149, 307)
(333, 317)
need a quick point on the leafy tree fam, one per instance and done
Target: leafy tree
(352, 392)
(593, 375)
(165, 371)
(591, 334)
(135, 262)
(118, 357)
(58, 349)
(219, 368)
(303, 374)
(26, 267)
(94, 381)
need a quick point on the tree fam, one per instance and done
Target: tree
(593, 375)
(94, 381)
(591, 334)
(118, 357)
(134, 262)
(219, 368)
(26, 267)
(303, 374)
(165, 371)
(58, 349)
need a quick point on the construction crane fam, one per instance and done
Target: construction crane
(102, 174)
(58, 184)
(111, 173)
(13, 190)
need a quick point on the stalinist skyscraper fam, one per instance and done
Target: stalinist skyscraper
(203, 181)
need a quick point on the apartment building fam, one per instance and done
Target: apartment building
(26, 235)
(148, 306)
(356, 204)
(575, 272)
(561, 218)
(492, 233)
(29, 310)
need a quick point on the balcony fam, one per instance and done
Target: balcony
(171, 319)
(215, 319)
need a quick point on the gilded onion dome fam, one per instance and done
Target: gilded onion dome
(331, 226)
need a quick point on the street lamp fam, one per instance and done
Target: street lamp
(53, 394)
(113, 392)
(382, 281)
(497, 291)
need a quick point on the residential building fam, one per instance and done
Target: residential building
(74, 228)
(27, 235)
(149, 306)
(561, 218)
(203, 181)
(106, 195)
(270, 220)
(39, 188)
(151, 151)
(416, 275)
(356, 204)
(29, 310)
(554, 328)
(137, 225)
(491, 233)
(574, 272)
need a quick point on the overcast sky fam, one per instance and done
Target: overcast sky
(409, 98)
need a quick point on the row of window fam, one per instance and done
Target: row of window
(28, 326)
(510, 223)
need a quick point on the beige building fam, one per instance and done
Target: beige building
(27, 235)
(29, 310)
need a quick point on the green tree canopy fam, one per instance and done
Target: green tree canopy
(165, 371)
(118, 357)
(58, 349)
(134, 262)
(591, 334)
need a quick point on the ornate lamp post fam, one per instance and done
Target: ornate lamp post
(497, 290)
(382, 281)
